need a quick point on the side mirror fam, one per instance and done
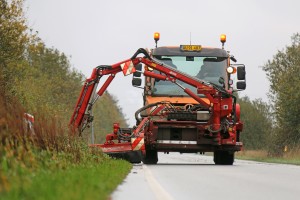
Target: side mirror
(138, 67)
(241, 76)
(136, 82)
(241, 85)
(241, 72)
(137, 74)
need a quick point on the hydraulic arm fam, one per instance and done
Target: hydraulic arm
(82, 113)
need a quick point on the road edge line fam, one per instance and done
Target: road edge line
(156, 188)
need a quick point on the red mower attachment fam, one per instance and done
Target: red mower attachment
(125, 143)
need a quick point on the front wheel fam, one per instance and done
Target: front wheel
(130, 156)
(223, 157)
(150, 157)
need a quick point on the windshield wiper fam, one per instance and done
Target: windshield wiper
(219, 88)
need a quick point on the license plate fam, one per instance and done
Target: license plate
(190, 47)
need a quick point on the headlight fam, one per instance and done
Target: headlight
(231, 70)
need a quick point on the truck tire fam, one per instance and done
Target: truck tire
(131, 156)
(134, 157)
(150, 157)
(223, 157)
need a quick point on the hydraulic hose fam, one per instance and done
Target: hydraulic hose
(142, 109)
(142, 51)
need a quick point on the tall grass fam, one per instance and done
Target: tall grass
(289, 157)
(52, 163)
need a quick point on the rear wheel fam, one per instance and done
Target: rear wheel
(150, 157)
(223, 157)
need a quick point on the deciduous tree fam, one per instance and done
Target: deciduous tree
(257, 119)
(283, 72)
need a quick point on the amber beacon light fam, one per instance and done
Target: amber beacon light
(156, 38)
(223, 40)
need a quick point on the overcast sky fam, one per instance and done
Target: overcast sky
(96, 32)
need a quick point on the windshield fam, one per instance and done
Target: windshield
(209, 69)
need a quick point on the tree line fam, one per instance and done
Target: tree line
(275, 126)
(40, 78)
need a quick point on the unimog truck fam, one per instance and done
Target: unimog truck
(189, 103)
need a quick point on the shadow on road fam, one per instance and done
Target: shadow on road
(183, 164)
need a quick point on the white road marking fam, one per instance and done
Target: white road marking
(156, 188)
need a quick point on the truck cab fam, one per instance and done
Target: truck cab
(207, 64)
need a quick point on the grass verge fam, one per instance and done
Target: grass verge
(51, 162)
(77, 172)
(291, 157)
(93, 181)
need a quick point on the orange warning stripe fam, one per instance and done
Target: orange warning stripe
(137, 143)
(128, 68)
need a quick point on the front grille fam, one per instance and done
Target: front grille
(188, 116)
(182, 116)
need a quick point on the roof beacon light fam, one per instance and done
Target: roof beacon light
(156, 38)
(223, 40)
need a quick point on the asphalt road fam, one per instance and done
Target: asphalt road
(191, 176)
